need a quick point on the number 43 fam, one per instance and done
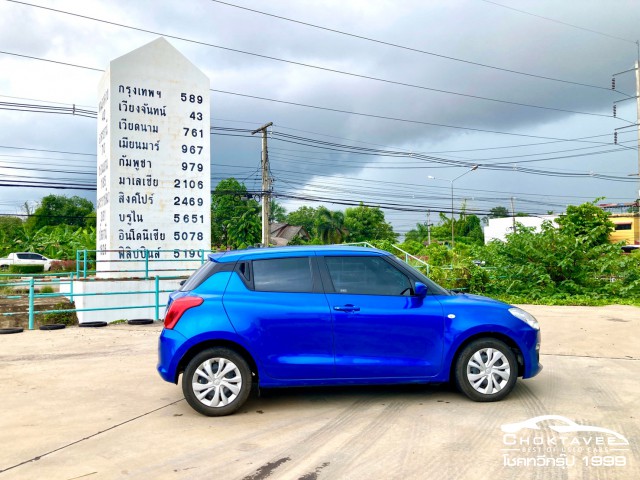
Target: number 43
(196, 116)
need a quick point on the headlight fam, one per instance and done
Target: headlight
(525, 317)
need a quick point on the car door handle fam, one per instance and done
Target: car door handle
(347, 308)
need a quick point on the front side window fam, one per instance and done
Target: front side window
(366, 276)
(283, 275)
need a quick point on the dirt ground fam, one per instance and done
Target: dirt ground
(88, 403)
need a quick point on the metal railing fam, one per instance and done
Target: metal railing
(86, 261)
(400, 253)
(30, 289)
(134, 266)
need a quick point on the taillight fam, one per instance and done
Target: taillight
(177, 309)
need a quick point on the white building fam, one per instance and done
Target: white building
(498, 228)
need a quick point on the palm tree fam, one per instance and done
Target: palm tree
(330, 225)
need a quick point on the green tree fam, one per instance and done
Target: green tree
(587, 220)
(277, 213)
(10, 229)
(367, 223)
(61, 210)
(498, 212)
(418, 234)
(304, 217)
(245, 229)
(330, 225)
(574, 259)
(470, 230)
(230, 201)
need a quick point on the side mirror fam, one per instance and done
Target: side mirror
(420, 290)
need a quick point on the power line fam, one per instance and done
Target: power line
(382, 117)
(316, 67)
(561, 22)
(411, 49)
(51, 61)
(512, 166)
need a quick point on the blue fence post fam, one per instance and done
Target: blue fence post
(157, 292)
(71, 287)
(146, 264)
(78, 263)
(31, 292)
(202, 256)
(84, 264)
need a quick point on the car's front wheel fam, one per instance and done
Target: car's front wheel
(486, 370)
(216, 382)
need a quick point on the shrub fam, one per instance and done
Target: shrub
(63, 266)
(46, 289)
(26, 269)
(66, 318)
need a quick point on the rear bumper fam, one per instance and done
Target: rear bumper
(169, 343)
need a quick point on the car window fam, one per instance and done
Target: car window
(366, 276)
(432, 287)
(283, 275)
(30, 256)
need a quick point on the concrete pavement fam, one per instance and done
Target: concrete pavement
(87, 403)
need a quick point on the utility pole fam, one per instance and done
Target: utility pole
(473, 168)
(638, 117)
(266, 185)
(637, 97)
(428, 227)
(513, 214)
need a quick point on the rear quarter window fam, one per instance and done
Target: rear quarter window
(283, 275)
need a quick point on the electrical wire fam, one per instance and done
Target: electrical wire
(411, 49)
(560, 22)
(307, 65)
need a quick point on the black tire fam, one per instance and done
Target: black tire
(93, 324)
(7, 331)
(240, 376)
(498, 374)
(140, 321)
(53, 326)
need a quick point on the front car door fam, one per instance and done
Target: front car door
(381, 329)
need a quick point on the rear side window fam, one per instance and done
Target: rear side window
(29, 256)
(366, 276)
(283, 275)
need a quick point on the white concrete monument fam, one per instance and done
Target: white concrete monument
(154, 182)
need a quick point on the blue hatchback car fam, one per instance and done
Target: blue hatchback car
(335, 315)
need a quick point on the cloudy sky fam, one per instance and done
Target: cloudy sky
(369, 98)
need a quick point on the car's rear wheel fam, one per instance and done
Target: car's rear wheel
(486, 370)
(216, 382)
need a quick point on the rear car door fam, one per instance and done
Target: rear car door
(381, 330)
(278, 306)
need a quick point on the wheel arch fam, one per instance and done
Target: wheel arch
(231, 345)
(506, 339)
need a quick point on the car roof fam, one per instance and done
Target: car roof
(295, 251)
